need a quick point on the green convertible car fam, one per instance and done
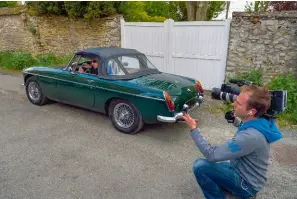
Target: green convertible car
(119, 82)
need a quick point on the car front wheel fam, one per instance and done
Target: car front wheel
(125, 116)
(34, 92)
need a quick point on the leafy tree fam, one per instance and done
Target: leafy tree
(204, 10)
(135, 11)
(257, 6)
(196, 10)
(8, 3)
(283, 5)
(214, 9)
(157, 8)
(178, 10)
(154, 10)
(89, 10)
(47, 7)
(75, 8)
(98, 9)
(157, 11)
(167, 9)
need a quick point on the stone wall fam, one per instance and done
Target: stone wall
(57, 34)
(263, 40)
(14, 35)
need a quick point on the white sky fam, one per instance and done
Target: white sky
(235, 5)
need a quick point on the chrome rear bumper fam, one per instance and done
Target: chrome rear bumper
(177, 116)
(169, 119)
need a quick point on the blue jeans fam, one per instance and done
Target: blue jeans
(213, 177)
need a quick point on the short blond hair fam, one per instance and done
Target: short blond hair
(259, 98)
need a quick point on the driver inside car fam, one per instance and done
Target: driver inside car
(91, 68)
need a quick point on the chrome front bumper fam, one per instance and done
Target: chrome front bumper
(177, 116)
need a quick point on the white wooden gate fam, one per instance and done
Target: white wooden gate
(192, 49)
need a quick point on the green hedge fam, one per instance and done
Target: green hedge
(21, 60)
(281, 82)
(287, 82)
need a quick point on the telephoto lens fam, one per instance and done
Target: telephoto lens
(216, 93)
(219, 95)
(233, 89)
(228, 97)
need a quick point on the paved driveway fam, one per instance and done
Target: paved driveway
(59, 151)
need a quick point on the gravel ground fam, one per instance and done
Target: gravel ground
(282, 176)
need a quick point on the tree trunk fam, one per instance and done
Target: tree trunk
(201, 10)
(227, 9)
(191, 10)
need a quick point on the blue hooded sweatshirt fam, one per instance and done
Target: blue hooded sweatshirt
(248, 151)
(266, 127)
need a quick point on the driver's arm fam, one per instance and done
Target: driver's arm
(86, 65)
(81, 70)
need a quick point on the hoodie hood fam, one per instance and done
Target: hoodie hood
(267, 127)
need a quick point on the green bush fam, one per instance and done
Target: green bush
(43, 7)
(5, 59)
(281, 82)
(20, 60)
(287, 82)
(254, 75)
(16, 60)
(85, 9)
(8, 3)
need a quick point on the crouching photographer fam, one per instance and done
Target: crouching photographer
(245, 173)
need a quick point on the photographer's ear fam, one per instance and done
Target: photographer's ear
(252, 112)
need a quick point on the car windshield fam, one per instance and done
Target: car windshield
(130, 63)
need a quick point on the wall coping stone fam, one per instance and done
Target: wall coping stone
(267, 15)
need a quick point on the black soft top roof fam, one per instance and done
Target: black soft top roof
(105, 52)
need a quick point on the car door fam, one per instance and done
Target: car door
(76, 88)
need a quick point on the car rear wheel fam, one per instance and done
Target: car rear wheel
(125, 116)
(34, 92)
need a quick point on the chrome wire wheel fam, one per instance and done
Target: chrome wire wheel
(34, 91)
(124, 115)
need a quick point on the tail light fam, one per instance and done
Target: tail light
(169, 101)
(199, 87)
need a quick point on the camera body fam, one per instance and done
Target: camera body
(229, 92)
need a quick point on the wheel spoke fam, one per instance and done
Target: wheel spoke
(34, 91)
(124, 115)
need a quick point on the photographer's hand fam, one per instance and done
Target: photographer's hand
(192, 123)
